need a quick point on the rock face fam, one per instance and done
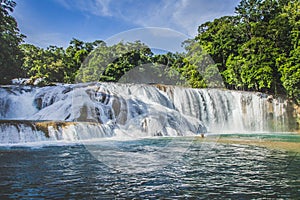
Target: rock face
(93, 110)
(296, 114)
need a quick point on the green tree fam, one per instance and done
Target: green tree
(47, 64)
(10, 38)
(221, 38)
(253, 48)
(110, 63)
(289, 64)
(56, 64)
(33, 57)
(290, 71)
(169, 68)
(232, 75)
(76, 53)
(254, 65)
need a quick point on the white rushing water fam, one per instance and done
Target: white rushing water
(101, 110)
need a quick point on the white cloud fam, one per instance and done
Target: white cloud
(104, 5)
(182, 15)
(95, 7)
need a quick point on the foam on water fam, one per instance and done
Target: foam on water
(99, 110)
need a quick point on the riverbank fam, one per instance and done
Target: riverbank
(289, 142)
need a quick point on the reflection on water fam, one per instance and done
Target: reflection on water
(205, 170)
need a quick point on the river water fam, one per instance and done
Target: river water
(206, 169)
(129, 141)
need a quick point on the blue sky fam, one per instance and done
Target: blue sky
(56, 22)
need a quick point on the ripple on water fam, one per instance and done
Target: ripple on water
(218, 170)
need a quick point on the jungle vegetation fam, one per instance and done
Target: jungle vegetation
(257, 49)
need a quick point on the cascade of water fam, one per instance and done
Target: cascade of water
(17, 102)
(15, 133)
(233, 111)
(106, 110)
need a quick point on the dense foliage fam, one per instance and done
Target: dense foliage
(10, 38)
(56, 64)
(257, 49)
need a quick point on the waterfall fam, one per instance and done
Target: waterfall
(235, 111)
(74, 112)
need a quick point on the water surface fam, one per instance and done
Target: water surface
(205, 170)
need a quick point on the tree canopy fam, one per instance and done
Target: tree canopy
(10, 38)
(257, 49)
